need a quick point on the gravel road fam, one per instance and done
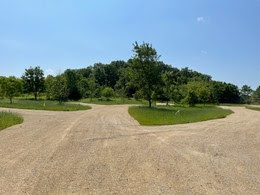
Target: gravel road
(105, 151)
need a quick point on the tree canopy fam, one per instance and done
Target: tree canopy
(145, 70)
(10, 87)
(33, 81)
(143, 76)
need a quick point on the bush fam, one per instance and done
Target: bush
(107, 92)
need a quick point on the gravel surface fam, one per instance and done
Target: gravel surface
(105, 151)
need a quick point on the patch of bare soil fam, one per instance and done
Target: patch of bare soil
(105, 151)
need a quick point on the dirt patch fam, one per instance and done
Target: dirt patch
(105, 151)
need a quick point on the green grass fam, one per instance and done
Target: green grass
(8, 119)
(235, 105)
(253, 108)
(42, 105)
(176, 115)
(113, 101)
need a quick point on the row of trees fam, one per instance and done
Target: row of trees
(143, 76)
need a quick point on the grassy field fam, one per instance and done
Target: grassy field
(42, 105)
(8, 119)
(253, 108)
(235, 105)
(176, 115)
(113, 101)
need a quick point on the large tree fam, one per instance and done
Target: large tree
(167, 88)
(33, 81)
(59, 89)
(92, 88)
(246, 93)
(11, 87)
(201, 89)
(108, 74)
(145, 70)
(49, 82)
(1, 86)
(124, 86)
(256, 96)
(72, 78)
(225, 92)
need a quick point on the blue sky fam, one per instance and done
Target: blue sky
(217, 37)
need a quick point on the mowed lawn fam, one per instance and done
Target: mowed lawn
(42, 105)
(176, 115)
(8, 119)
(113, 101)
(253, 108)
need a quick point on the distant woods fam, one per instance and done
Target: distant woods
(144, 76)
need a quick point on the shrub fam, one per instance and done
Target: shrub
(107, 92)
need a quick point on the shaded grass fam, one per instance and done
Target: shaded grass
(235, 105)
(8, 119)
(113, 101)
(253, 108)
(176, 115)
(42, 105)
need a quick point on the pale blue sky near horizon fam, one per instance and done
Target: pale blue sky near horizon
(220, 38)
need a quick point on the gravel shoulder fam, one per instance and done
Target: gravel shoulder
(105, 151)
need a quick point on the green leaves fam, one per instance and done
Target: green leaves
(256, 96)
(246, 93)
(10, 87)
(56, 88)
(59, 89)
(33, 81)
(197, 92)
(108, 92)
(145, 70)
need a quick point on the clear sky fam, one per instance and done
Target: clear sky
(217, 37)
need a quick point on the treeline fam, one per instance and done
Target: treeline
(143, 76)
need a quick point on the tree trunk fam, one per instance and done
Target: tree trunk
(150, 103)
(35, 96)
(11, 100)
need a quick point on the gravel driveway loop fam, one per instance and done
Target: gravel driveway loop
(105, 151)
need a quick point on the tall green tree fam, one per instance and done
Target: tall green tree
(202, 89)
(1, 86)
(49, 82)
(72, 78)
(59, 89)
(88, 87)
(246, 93)
(256, 96)
(11, 87)
(186, 75)
(124, 86)
(145, 70)
(168, 86)
(33, 81)
(108, 74)
(225, 92)
(92, 87)
(83, 87)
(100, 74)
